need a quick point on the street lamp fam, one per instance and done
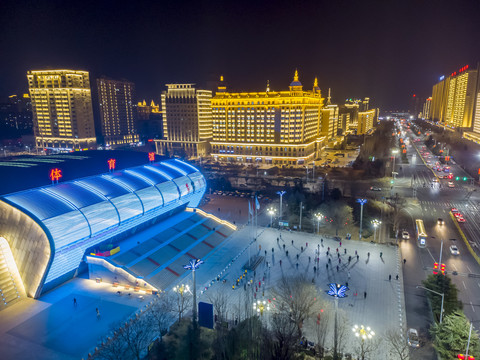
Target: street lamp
(261, 306)
(363, 333)
(375, 224)
(281, 193)
(336, 291)
(394, 152)
(318, 217)
(271, 212)
(361, 202)
(194, 265)
(433, 291)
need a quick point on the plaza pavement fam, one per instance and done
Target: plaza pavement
(53, 328)
(382, 309)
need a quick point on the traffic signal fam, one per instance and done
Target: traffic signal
(442, 268)
(435, 268)
(464, 178)
(457, 178)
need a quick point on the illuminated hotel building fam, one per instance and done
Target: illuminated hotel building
(117, 113)
(365, 121)
(453, 99)
(273, 127)
(62, 109)
(329, 119)
(187, 121)
(426, 108)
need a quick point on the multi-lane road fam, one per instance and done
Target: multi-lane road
(430, 198)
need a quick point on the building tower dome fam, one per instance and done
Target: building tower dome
(296, 85)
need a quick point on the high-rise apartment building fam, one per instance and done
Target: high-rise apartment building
(149, 121)
(453, 98)
(273, 127)
(62, 109)
(187, 121)
(366, 120)
(117, 114)
(426, 108)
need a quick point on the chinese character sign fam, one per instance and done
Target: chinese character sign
(111, 164)
(151, 156)
(55, 174)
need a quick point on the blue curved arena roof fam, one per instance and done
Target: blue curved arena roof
(82, 213)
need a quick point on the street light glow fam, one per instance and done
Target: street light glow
(363, 332)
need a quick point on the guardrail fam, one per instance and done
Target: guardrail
(475, 256)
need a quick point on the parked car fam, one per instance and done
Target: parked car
(405, 235)
(412, 338)
(374, 188)
(440, 221)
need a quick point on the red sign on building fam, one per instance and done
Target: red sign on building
(111, 164)
(55, 174)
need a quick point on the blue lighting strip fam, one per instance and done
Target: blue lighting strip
(118, 182)
(187, 164)
(174, 168)
(144, 178)
(165, 175)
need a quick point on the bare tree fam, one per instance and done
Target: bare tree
(219, 301)
(321, 329)
(111, 349)
(398, 347)
(183, 300)
(162, 313)
(286, 334)
(342, 330)
(136, 335)
(365, 348)
(298, 297)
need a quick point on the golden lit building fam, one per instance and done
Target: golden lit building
(453, 98)
(187, 121)
(365, 122)
(62, 109)
(271, 127)
(117, 113)
(329, 119)
(144, 110)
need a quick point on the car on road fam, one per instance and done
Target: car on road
(440, 221)
(412, 338)
(435, 180)
(454, 250)
(374, 188)
(457, 214)
(451, 184)
(405, 235)
(460, 219)
(454, 210)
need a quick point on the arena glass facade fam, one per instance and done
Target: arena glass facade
(78, 215)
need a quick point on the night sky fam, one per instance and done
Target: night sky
(387, 50)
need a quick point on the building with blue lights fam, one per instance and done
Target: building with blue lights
(45, 232)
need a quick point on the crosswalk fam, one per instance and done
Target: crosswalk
(470, 204)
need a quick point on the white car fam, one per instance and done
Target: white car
(454, 250)
(412, 338)
(405, 235)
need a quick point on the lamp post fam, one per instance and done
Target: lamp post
(336, 291)
(271, 212)
(433, 291)
(194, 265)
(361, 202)
(318, 217)
(364, 333)
(394, 152)
(375, 224)
(281, 193)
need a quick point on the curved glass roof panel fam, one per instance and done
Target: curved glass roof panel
(146, 173)
(169, 192)
(151, 198)
(128, 181)
(184, 184)
(128, 206)
(40, 204)
(67, 228)
(101, 216)
(77, 195)
(106, 187)
(198, 181)
(172, 165)
(167, 170)
(188, 168)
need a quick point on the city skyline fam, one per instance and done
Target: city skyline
(357, 50)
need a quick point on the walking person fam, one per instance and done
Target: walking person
(404, 261)
(74, 302)
(364, 294)
(338, 268)
(345, 251)
(340, 244)
(98, 313)
(397, 277)
(390, 277)
(358, 257)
